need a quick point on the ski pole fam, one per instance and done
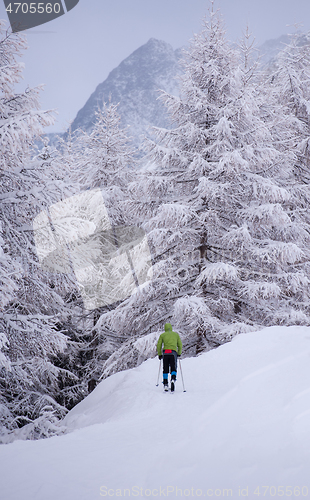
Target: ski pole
(158, 373)
(184, 390)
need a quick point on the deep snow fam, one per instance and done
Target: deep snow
(243, 424)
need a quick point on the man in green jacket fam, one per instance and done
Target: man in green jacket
(172, 348)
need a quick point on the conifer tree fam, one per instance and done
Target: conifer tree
(31, 310)
(106, 160)
(103, 168)
(290, 83)
(165, 196)
(229, 255)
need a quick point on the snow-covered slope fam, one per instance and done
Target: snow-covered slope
(243, 424)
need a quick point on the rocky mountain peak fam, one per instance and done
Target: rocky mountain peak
(136, 82)
(135, 85)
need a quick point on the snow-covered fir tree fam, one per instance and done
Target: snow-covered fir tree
(163, 196)
(290, 82)
(252, 249)
(106, 160)
(229, 253)
(31, 310)
(103, 168)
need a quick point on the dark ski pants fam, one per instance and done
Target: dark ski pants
(169, 361)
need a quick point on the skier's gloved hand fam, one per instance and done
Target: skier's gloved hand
(179, 355)
(160, 357)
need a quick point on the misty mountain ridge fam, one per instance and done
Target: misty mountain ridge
(269, 50)
(135, 86)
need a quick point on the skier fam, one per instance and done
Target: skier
(172, 349)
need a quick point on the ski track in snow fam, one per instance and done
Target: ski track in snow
(244, 422)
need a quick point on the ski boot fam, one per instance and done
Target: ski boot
(173, 381)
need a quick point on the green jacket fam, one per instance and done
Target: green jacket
(170, 339)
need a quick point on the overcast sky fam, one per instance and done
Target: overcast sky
(77, 51)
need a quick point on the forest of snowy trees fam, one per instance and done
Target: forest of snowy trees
(100, 246)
